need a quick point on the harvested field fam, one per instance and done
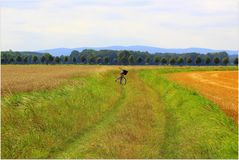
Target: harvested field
(219, 86)
(22, 78)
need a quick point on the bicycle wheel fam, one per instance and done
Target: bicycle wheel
(123, 81)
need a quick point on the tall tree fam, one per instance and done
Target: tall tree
(43, 59)
(115, 61)
(82, 59)
(48, 58)
(156, 59)
(3, 61)
(147, 60)
(163, 60)
(198, 60)
(66, 59)
(235, 61)
(34, 59)
(189, 60)
(19, 59)
(123, 57)
(180, 60)
(25, 60)
(172, 61)
(74, 53)
(74, 59)
(216, 60)
(99, 60)
(207, 60)
(106, 60)
(131, 59)
(11, 60)
(225, 60)
(139, 60)
(57, 59)
(91, 59)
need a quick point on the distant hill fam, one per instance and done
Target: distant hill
(67, 51)
(57, 51)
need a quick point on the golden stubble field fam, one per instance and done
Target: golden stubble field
(221, 87)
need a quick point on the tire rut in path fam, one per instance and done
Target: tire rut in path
(84, 134)
(137, 119)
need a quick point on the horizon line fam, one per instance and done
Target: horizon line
(122, 46)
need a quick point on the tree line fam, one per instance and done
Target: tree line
(113, 57)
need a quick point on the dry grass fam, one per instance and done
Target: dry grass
(25, 78)
(219, 86)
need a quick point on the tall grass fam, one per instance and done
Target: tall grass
(131, 132)
(38, 124)
(195, 128)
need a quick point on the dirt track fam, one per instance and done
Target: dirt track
(219, 86)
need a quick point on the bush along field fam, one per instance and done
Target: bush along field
(93, 117)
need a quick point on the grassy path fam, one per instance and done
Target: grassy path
(84, 135)
(194, 126)
(128, 132)
(150, 117)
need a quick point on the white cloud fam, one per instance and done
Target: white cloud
(33, 25)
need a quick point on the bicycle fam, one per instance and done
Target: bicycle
(122, 78)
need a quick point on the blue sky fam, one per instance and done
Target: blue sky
(43, 24)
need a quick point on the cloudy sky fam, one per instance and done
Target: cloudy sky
(44, 24)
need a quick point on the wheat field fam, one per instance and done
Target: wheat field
(221, 87)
